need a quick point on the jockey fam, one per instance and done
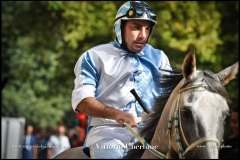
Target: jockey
(106, 73)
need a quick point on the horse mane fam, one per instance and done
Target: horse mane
(214, 84)
(168, 82)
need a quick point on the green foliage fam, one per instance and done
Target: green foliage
(228, 51)
(185, 25)
(41, 42)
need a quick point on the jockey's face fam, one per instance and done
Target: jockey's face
(136, 33)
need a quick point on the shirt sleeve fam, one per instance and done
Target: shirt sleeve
(67, 143)
(50, 142)
(86, 79)
(34, 142)
(165, 62)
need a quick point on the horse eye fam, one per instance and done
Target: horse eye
(226, 114)
(226, 117)
(187, 112)
(187, 108)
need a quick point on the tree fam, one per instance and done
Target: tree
(41, 42)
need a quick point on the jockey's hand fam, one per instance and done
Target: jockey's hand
(125, 117)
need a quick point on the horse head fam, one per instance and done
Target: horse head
(200, 110)
(192, 122)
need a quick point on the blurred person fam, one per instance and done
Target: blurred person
(230, 148)
(82, 127)
(29, 144)
(43, 140)
(78, 133)
(58, 143)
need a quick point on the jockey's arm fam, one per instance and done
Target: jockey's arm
(92, 107)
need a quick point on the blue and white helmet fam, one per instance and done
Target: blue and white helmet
(133, 10)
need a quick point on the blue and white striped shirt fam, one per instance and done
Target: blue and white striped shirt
(108, 73)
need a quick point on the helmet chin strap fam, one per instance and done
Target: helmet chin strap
(124, 45)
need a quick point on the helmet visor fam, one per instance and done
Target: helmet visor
(137, 10)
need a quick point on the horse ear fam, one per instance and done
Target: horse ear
(228, 74)
(189, 65)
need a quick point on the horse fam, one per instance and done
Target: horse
(188, 120)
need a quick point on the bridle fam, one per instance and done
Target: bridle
(175, 118)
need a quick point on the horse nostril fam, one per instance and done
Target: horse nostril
(222, 141)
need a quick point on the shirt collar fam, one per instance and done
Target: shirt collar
(125, 53)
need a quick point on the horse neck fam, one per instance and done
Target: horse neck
(160, 138)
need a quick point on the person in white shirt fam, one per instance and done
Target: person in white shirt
(106, 74)
(58, 143)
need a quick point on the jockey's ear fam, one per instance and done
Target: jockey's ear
(189, 65)
(228, 73)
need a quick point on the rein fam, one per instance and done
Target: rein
(144, 143)
(174, 117)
